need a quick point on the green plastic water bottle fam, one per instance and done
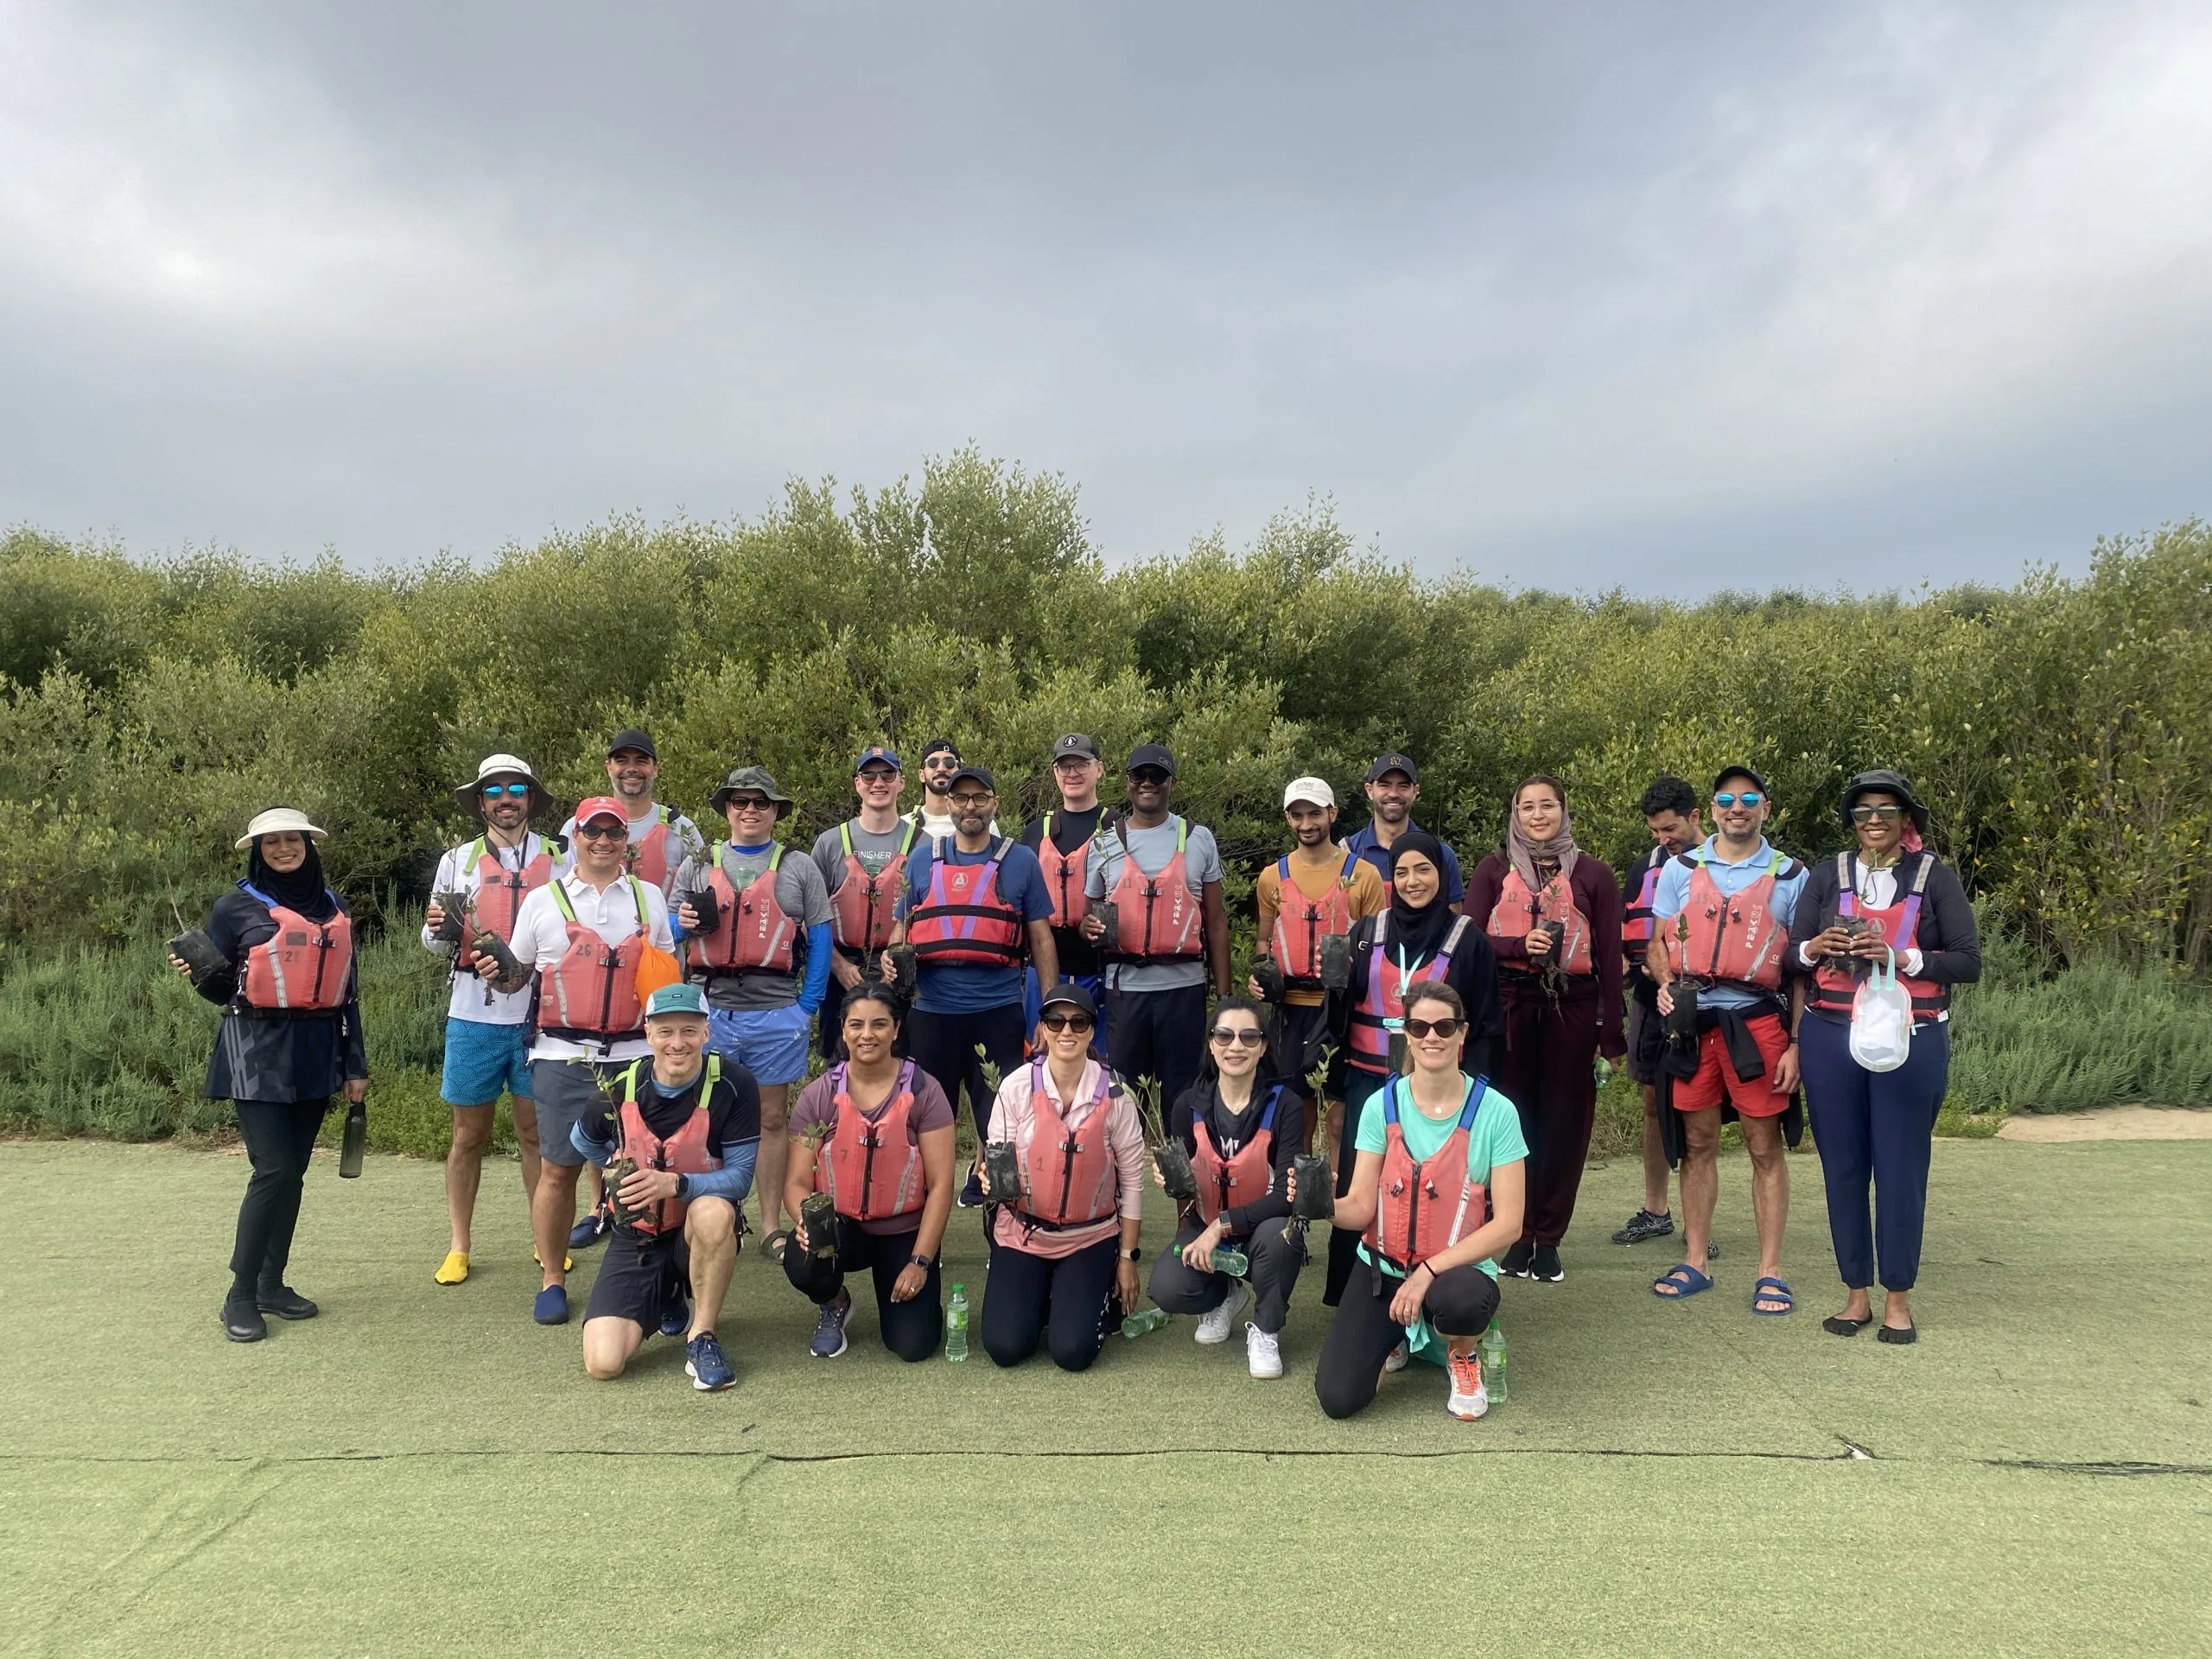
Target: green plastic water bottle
(1137, 1324)
(1493, 1349)
(955, 1326)
(1234, 1263)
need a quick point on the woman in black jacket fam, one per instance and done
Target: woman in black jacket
(1421, 937)
(1879, 1126)
(281, 968)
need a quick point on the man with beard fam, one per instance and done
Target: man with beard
(863, 865)
(935, 817)
(1392, 786)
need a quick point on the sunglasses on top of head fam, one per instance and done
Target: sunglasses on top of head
(1070, 1021)
(1747, 798)
(1447, 1026)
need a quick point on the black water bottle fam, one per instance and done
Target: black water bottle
(356, 1141)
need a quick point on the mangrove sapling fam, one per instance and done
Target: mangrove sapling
(1001, 1163)
(1169, 1155)
(192, 947)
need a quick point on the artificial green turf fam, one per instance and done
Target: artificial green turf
(155, 1474)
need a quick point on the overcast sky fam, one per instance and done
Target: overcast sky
(1674, 297)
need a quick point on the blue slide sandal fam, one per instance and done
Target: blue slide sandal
(1772, 1290)
(1680, 1281)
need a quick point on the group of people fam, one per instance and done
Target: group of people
(648, 1001)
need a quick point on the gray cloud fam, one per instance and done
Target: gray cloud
(1675, 298)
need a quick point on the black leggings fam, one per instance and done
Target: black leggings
(943, 1045)
(279, 1137)
(911, 1329)
(1461, 1302)
(1026, 1294)
(1276, 1258)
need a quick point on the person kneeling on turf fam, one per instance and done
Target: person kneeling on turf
(1438, 1188)
(681, 1128)
(873, 1135)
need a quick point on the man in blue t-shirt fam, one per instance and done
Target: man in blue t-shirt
(1392, 786)
(976, 906)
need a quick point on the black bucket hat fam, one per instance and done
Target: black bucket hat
(1882, 780)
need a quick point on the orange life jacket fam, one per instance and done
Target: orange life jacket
(501, 887)
(1518, 911)
(1064, 874)
(1296, 940)
(592, 991)
(963, 921)
(1899, 920)
(1730, 936)
(1157, 917)
(1242, 1178)
(1382, 1009)
(848, 1167)
(1068, 1176)
(751, 934)
(685, 1152)
(861, 910)
(1636, 917)
(304, 967)
(1423, 1209)
(648, 855)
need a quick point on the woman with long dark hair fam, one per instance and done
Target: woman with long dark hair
(1554, 918)
(281, 968)
(1241, 1130)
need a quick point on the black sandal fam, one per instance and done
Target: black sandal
(1900, 1335)
(775, 1242)
(1836, 1325)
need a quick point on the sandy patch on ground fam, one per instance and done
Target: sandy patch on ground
(2111, 1123)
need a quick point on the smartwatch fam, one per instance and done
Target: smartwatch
(1135, 1253)
(683, 1187)
(924, 1262)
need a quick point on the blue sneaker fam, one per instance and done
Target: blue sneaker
(971, 1192)
(830, 1327)
(551, 1306)
(675, 1317)
(707, 1365)
(589, 1232)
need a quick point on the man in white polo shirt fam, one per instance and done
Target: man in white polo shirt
(581, 935)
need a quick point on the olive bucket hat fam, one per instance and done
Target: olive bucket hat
(756, 779)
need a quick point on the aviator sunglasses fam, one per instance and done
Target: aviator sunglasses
(1748, 797)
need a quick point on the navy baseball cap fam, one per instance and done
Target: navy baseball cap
(887, 756)
(1393, 762)
(1726, 772)
(982, 775)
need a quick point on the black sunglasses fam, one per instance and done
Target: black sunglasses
(1867, 814)
(1243, 1036)
(1447, 1026)
(603, 831)
(1077, 1022)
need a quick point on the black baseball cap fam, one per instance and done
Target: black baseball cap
(1151, 754)
(980, 774)
(631, 738)
(1726, 772)
(939, 746)
(1069, 995)
(1075, 743)
(1393, 762)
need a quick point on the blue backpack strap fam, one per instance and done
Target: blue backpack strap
(1390, 1102)
(1477, 1092)
(1267, 1117)
(1282, 867)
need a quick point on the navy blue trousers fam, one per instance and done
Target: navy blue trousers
(1877, 1127)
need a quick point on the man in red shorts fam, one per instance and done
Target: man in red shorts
(1721, 915)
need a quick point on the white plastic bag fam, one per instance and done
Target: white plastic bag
(1881, 1020)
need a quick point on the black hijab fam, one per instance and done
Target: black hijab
(1418, 932)
(302, 890)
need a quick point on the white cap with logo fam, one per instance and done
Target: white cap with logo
(1313, 790)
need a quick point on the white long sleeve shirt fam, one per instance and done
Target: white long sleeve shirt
(542, 936)
(472, 999)
(1878, 890)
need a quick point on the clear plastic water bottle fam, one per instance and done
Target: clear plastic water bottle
(1234, 1263)
(955, 1326)
(1137, 1324)
(1493, 1350)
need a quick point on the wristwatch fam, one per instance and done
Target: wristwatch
(1135, 1252)
(924, 1262)
(682, 1188)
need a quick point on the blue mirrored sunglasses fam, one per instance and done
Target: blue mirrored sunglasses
(1748, 797)
(493, 791)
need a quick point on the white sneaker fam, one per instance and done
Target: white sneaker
(1217, 1326)
(1263, 1352)
(1396, 1358)
(1470, 1400)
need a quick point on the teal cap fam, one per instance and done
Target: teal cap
(677, 999)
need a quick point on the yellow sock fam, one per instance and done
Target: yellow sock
(454, 1269)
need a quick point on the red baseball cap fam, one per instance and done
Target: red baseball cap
(600, 806)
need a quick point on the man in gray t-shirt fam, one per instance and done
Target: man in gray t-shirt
(862, 862)
(1170, 937)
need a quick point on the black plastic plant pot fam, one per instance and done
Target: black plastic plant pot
(1176, 1175)
(1316, 1197)
(1557, 931)
(453, 918)
(899, 963)
(1336, 961)
(1104, 910)
(491, 946)
(1682, 1024)
(1001, 1173)
(197, 952)
(1268, 972)
(1400, 1056)
(819, 1213)
(617, 1172)
(702, 901)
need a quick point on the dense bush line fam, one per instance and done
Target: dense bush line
(2060, 727)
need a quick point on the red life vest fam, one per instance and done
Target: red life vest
(1068, 1176)
(963, 922)
(1733, 936)
(1518, 911)
(1242, 1178)
(1899, 920)
(685, 1152)
(1064, 875)
(1423, 1209)
(592, 991)
(845, 1166)
(1296, 940)
(1157, 917)
(501, 887)
(751, 934)
(649, 858)
(1636, 920)
(304, 966)
(1379, 1011)
(860, 911)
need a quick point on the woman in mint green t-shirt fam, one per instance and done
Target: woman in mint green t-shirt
(1437, 1191)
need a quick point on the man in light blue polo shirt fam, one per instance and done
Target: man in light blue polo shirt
(1716, 912)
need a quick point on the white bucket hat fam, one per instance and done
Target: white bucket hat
(498, 766)
(273, 821)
